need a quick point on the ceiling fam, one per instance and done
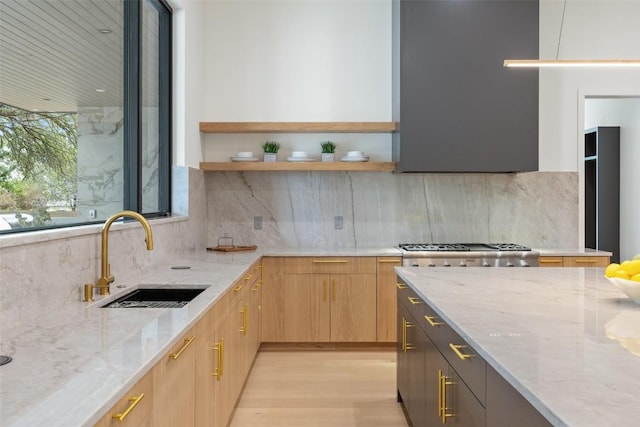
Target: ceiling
(54, 58)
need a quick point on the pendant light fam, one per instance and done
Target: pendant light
(548, 63)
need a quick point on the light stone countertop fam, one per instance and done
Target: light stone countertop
(546, 331)
(586, 252)
(72, 364)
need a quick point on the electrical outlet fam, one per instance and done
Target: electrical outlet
(92, 214)
(338, 222)
(257, 223)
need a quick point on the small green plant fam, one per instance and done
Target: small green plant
(271, 147)
(328, 147)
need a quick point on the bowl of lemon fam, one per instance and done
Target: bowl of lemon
(626, 276)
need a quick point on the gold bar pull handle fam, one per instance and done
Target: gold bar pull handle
(389, 261)
(404, 335)
(401, 286)
(221, 357)
(133, 403)
(431, 320)
(248, 277)
(461, 355)
(187, 343)
(243, 328)
(585, 261)
(444, 414)
(407, 344)
(257, 286)
(330, 261)
(217, 370)
(550, 261)
(414, 300)
(440, 377)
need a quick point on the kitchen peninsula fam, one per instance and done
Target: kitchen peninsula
(563, 338)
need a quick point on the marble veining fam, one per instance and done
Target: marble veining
(298, 208)
(548, 332)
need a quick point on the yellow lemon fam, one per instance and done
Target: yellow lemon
(635, 278)
(611, 269)
(633, 267)
(621, 274)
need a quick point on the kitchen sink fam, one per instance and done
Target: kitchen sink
(156, 298)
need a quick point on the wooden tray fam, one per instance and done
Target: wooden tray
(233, 248)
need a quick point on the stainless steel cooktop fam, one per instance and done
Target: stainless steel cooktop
(468, 255)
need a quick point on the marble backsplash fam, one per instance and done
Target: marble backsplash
(44, 270)
(539, 209)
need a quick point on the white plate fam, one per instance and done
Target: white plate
(354, 159)
(301, 159)
(244, 159)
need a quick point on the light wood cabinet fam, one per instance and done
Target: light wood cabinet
(134, 409)
(320, 299)
(174, 384)
(386, 298)
(573, 261)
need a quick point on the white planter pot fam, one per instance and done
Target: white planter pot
(328, 157)
(270, 157)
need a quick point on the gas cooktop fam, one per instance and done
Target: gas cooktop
(461, 247)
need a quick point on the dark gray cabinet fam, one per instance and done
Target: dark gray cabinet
(602, 189)
(438, 384)
(458, 108)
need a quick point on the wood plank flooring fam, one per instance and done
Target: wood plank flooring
(321, 388)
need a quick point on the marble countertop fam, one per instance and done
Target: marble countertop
(571, 252)
(71, 364)
(550, 333)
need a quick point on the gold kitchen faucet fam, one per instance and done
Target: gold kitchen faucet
(105, 269)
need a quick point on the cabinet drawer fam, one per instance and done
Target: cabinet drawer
(466, 362)
(343, 265)
(413, 303)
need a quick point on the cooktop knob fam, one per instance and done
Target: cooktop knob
(486, 264)
(432, 264)
(462, 264)
(446, 264)
(509, 264)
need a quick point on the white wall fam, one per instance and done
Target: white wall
(597, 29)
(297, 61)
(626, 114)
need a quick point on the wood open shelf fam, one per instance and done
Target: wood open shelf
(299, 166)
(298, 127)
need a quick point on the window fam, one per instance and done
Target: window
(85, 111)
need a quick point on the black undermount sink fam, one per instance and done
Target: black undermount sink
(156, 298)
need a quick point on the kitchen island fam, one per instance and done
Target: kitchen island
(550, 333)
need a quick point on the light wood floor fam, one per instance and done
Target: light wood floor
(321, 388)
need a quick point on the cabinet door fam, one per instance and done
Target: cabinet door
(174, 385)
(386, 298)
(402, 363)
(460, 407)
(272, 299)
(353, 307)
(307, 308)
(411, 351)
(583, 261)
(255, 319)
(207, 374)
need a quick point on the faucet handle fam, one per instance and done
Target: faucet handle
(88, 292)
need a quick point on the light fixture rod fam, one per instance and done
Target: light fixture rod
(542, 63)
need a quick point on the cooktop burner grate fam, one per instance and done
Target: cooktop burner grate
(461, 247)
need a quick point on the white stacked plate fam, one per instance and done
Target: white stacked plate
(300, 156)
(244, 156)
(355, 156)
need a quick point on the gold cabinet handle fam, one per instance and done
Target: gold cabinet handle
(330, 261)
(461, 355)
(585, 261)
(390, 261)
(237, 288)
(443, 382)
(244, 311)
(550, 261)
(325, 289)
(401, 286)
(257, 286)
(431, 320)
(219, 349)
(406, 345)
(187, 343)
(248, 277)
(133, 403)
(414, 300)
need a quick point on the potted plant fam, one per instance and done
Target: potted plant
(270, 151)
(328, 150)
